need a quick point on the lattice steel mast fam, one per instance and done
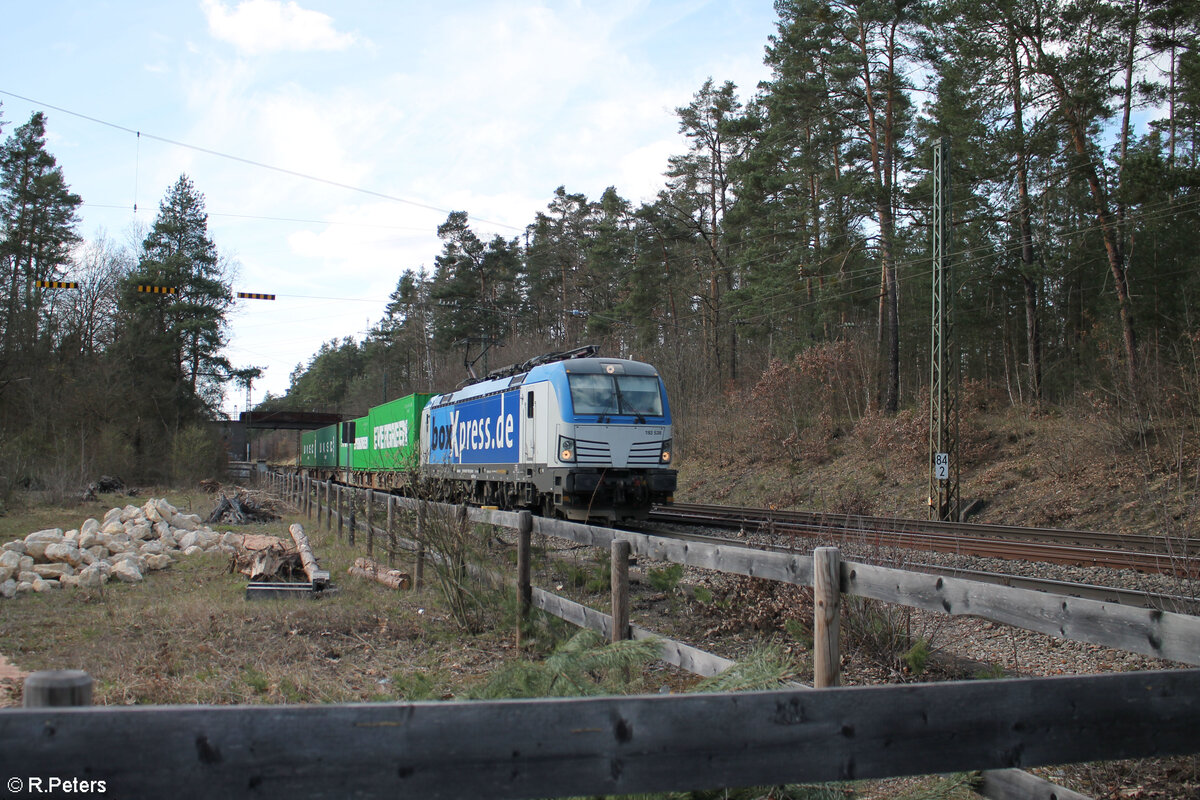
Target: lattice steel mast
(944, 366)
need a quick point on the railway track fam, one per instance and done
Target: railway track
(1107, 594)
(1151, 554)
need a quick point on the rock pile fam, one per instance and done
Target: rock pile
(124, 546)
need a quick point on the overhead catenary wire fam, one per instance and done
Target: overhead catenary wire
(252, 162)
(987, 252)
(296, 220)
(294, 173)
(962, 258)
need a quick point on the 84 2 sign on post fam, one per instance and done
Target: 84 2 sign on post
(941, 466)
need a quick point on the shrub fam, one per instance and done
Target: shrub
(195, 455)
(667, 578)
(917, 657)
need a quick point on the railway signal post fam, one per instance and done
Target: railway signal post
(943, 360)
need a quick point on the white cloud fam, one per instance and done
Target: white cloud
(264, 26)
(484, 107)
(641, 170)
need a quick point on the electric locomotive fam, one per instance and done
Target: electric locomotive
(568, 434)
(565, 434)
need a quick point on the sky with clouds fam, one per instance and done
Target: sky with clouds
(330, 139)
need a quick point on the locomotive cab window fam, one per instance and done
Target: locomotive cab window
(609, 395)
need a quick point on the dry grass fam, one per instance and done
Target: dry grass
(188, 635)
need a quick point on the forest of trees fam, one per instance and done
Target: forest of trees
(799, 216)
(95, 375)
(792, 233)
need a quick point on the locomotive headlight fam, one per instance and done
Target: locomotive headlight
(566, 449)
(664, 455)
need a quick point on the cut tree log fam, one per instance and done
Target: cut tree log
(317, 576)
(265, 557)
(267, 563)
(393, 578)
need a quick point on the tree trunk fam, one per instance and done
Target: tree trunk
(1033, 336)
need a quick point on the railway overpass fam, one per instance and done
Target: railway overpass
(236, 433)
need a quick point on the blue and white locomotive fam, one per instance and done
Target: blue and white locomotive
(567, 434)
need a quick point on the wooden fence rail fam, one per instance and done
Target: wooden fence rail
(615, 745)
(1151, 632)
(1163, 634)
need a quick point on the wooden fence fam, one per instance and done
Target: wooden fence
(547, 748)
(1152, 632)
(612, 745)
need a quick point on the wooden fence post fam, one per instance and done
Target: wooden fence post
(827, 607)
(620, 589)
(391, 529)
(339, 512)
(320, 508)
(458, 562)
(419, 567)
(370, 495)
(524, 570)
(353, 508)
(328, 507)
(58, 687)
(308, 490)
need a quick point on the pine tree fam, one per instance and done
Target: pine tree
(178, 337)
(474, 288)
(556, 264)
(699, 192)
(37, 231)
(399, 345)
(1076, 49)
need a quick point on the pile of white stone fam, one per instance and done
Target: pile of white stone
(124, 546)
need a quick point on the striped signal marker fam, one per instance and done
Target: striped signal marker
(255, 296)
(158, 289)
(57, 284)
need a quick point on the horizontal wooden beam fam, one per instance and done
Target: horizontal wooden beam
(1015, 784)
(1148, 631)
(1162, 634)
(785, 567)
(684, 656)
(614, 745)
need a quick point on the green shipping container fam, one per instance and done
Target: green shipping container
(361, 458)
(319, 447)
(394, 431)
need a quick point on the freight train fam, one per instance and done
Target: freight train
(565, 434)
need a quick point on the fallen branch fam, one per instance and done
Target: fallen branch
(241, 508)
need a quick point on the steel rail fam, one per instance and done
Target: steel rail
(1165, 555)
(1107, 594)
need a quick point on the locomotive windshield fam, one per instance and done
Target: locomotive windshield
(610, 395)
